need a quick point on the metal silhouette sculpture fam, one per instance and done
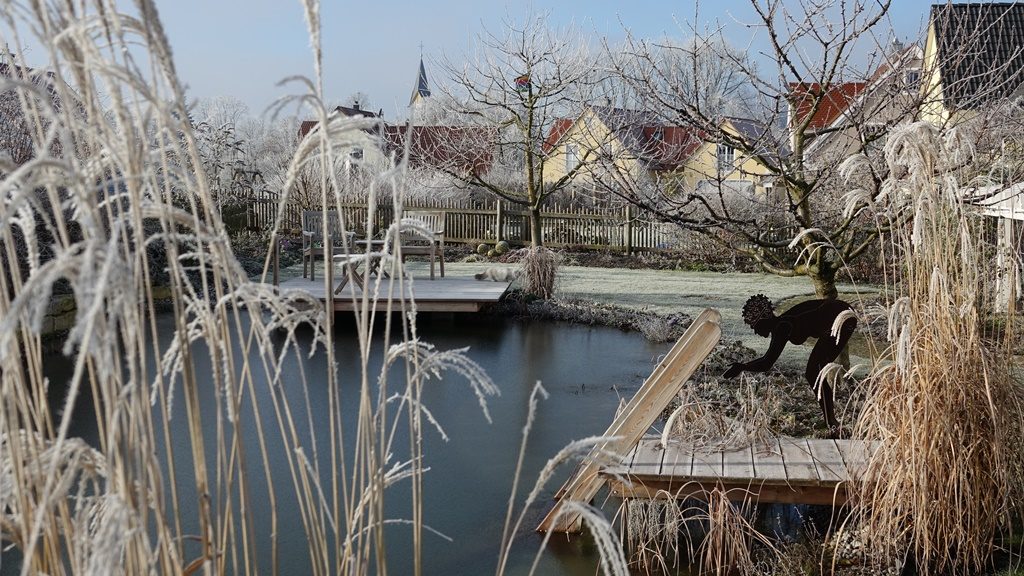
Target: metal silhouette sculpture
(811, 319)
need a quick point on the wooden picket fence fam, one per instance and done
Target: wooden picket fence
(625, 229)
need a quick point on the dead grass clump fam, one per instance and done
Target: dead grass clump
(656, 328)
(539, 267)
(711, 530)
(946, 413)
(704, 424)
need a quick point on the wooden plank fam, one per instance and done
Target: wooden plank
(796, 456)
(643, 396)
(768, 464)
(649, 455)
(707, 465)
(678, 461)
(827, 460)
(641, 411)
(855, 455)
(738, 464)
(659, 487)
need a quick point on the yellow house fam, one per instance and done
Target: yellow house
(620, 147)
(972, 56)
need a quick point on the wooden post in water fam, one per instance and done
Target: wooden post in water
(628, 215)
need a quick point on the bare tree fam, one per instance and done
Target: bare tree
(521, 84)
(805, 90)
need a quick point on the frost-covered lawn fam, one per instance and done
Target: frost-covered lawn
(666, 291)
(680, 291)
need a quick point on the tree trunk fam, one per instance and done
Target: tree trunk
(824, 284)
(536, 235)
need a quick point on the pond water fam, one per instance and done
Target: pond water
(586, 370)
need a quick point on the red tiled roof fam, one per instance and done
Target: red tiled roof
(561, 126)
(674, 146)
(459, 148)
(306, 127)
(834, 101)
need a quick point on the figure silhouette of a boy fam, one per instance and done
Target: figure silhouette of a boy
(810, 319)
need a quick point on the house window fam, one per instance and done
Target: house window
(912, 79)
(572, 157)
(726, 158)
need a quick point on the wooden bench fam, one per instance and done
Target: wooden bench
(414, 240)
(314, 244)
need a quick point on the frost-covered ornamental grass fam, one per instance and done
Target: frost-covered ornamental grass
(113, 200)
(947, 476)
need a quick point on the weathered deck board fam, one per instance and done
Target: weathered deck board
(706, 465)
(855, 456)
(648, 458)
(791, 470)
(768, 464)
(677, 461)
(449, 294)
(738, 463)
(797, 458)
(827, 460)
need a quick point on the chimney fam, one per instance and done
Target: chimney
(355, 105)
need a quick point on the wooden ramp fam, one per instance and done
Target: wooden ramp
(631, 423)
(449, 294)
(788, 470)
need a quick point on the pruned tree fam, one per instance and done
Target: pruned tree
(522, 82)
(805, 90)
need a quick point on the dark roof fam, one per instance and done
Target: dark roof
(306, 126)
(980, 50)
(421, 88)
(466, 149)
(757, 136)
(355, 110)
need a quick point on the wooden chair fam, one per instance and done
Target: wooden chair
(415, 243)
(313, 244)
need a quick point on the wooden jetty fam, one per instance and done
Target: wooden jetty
(449, 294)
(794, 470)
(785, 469)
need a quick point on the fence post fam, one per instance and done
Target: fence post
(499, 228)
(628, 214)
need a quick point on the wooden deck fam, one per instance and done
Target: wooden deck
(449, 294)
(788, 470)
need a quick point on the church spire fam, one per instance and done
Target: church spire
(422, 89)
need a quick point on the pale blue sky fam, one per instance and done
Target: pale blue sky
(242, 48)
